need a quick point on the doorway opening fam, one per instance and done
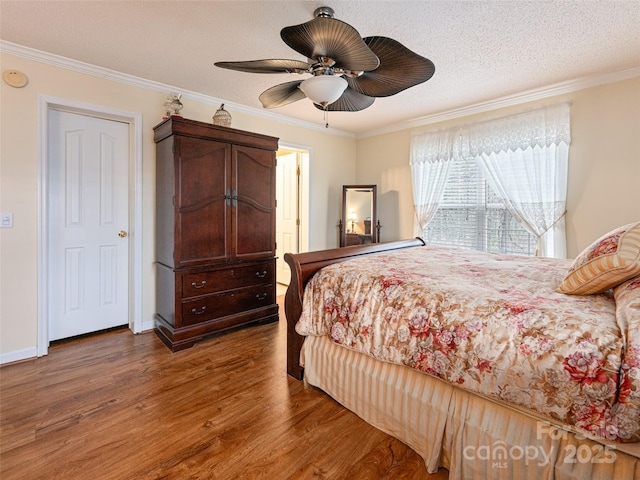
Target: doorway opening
(292, 211)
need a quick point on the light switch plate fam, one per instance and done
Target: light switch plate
(6, 220)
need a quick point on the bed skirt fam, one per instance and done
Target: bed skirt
(471, 436)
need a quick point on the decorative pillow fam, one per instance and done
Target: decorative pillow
(625, 415)
(607, 262)
(627, 297)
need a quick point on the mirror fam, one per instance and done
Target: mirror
(359, 224)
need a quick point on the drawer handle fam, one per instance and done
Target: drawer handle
(261, 275)
(196, 312)
(261, 296)
(202, 284)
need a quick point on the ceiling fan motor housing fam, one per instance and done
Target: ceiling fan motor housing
(323, 12)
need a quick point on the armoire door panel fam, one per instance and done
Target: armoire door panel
(202, 241)
(254, 212)
(254, 176)
(202, 217)
(203, 166)
(253, 234)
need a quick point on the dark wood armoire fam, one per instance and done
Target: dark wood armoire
(215, 230)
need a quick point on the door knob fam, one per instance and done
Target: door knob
(122, 234)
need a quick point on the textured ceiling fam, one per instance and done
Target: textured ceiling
(482, 50)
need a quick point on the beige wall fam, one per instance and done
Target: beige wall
(332, 164)
(604, 164)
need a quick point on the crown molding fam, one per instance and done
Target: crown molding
(502, 102)
(108, 74)
(560, 88)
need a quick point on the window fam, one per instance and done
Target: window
(498, 185)
(471, 216)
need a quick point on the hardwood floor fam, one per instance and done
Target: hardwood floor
(122, 406)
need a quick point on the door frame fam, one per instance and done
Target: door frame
(134, 120)
(304, 192)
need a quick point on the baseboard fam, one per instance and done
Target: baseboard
(32, 352)
(18, 355)
(146, 326)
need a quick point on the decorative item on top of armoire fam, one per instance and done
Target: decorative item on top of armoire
(173, 105)
(222, 117)
(215, 230)
(359, 213)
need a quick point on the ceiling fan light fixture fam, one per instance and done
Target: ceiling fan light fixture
(323, 89)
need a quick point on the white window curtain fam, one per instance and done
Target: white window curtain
(432, 154)
(524, 158)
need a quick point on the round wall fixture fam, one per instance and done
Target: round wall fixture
(14, 78)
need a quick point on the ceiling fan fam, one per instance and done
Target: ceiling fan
(348, 72)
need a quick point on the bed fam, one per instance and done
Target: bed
(527, 383)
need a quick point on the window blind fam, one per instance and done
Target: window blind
(471, 216)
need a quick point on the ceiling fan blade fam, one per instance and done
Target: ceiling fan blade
(282, 94)
(350, 101)
(399, 69)
(328, 37)
(266, 66)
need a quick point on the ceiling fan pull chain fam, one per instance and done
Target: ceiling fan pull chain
(326, 117)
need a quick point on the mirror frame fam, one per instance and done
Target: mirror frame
(344, 220)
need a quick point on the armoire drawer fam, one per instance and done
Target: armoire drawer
(226, 303)
(228, 278)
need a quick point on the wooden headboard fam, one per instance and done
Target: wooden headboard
(303, 267)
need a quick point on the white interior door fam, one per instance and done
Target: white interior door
(88, 255)
(286, 213)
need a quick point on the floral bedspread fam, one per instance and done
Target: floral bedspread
(491, 324)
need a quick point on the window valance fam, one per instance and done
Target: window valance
(541, 127)
(433, 147)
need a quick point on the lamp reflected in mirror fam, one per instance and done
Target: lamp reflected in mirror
(353, 218)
